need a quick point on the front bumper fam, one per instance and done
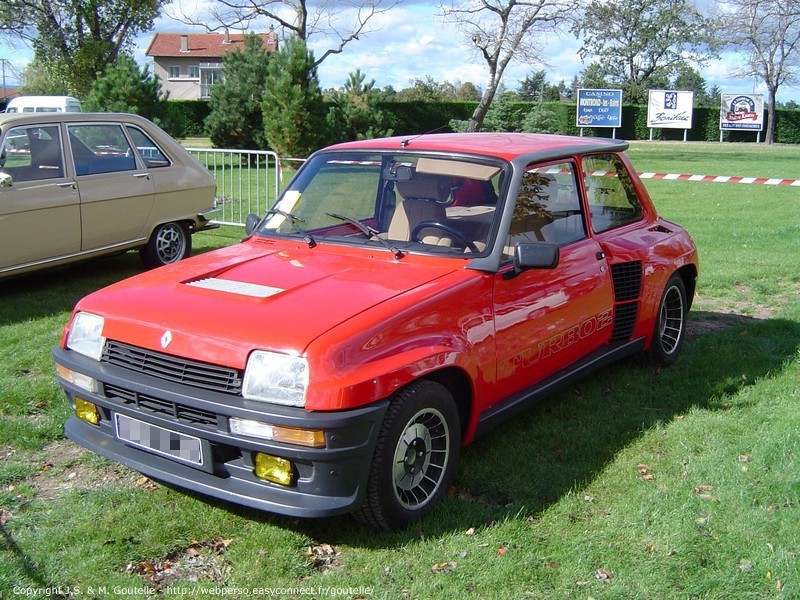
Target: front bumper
(329, 481)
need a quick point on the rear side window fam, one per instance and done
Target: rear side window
(32, 152)
(610, 194)
(150, 153)
(100, 148)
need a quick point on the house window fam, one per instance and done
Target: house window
(174, 72)
(194, 72)
(210, 75)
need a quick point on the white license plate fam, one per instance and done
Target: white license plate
(153, 438)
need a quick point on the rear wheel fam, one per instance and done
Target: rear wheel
(415, 457)
(670, 327)
(168, 244)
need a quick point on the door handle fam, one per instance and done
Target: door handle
(66, 184)
(140, 175)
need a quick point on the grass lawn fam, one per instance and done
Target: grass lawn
(633, 483)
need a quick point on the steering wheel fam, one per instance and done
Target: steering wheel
(454, 233)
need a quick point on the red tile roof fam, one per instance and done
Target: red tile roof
(204, 45)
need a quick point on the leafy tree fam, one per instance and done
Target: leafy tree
(768, 33)
(236, 118)
(502, 31)
(82, 37)
(642, 42)
(355, 114)
(427, 90)
(45, 78)
(294, 113)
(690, 80)
(123, 87)
(540, 120)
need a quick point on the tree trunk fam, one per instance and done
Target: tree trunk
(476, 121)
(771, 115)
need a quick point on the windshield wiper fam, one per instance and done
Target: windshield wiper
(294, 220)
(372, 234)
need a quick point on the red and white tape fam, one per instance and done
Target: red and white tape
(721, 179)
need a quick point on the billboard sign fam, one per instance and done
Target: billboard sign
(742, 112)
(668, 109)
(599, 108)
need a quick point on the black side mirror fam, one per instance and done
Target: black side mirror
(534, 255)
(251, 223)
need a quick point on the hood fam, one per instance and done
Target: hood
(261, 294)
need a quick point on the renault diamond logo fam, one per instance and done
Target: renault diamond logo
(166, 339)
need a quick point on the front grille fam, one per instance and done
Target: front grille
(627, 279)
(147, 403)
(625, 316)
(171, 368)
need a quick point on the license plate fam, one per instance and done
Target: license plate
(165, 442)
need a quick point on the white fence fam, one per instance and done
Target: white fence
(248, 181)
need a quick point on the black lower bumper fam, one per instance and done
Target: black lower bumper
(329, 480)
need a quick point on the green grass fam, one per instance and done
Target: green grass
(633, 483)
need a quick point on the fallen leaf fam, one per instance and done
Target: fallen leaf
(470, 531)
(745, 458)
(445, 567)
(603, 575)
(501, 551)
(5, 516)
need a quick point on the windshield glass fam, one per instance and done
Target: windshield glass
(402, 201)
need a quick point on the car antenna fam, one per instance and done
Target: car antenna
(406, 142)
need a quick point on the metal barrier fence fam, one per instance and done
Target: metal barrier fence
(248, 181)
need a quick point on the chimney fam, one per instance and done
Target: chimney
(227, 38)
(184, 43)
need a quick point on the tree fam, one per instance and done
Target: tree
(81, 36)
(690, 80)
(294, 113)
(502, 31)
(342, 20)
(355, 114)
(768, 33)
(642, 42)
(123, 87)
(44, 78)
(236, 118)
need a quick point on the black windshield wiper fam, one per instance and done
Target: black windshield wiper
(294, 220)
(372, 234)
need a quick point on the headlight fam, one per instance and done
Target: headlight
(276, 378)
(85, 335)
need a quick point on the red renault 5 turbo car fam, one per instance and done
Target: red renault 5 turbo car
(402, 297)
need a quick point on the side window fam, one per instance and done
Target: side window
(174, 72)
(610, 194)
(100, 148)
(151, 154)
(32, 152)
(547, 208)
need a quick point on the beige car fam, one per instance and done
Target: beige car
(78, 185)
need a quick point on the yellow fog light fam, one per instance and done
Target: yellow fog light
(274, 469)
(86, 411)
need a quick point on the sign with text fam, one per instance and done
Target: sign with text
(742, 112)
(599, 108)
(669, 109)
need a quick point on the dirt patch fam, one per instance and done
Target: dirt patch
(714, 314)
(200, 561)
(62, 465)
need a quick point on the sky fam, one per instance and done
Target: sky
(412, 42)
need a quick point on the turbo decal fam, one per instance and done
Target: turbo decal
(561, 341)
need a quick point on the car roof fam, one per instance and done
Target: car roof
(508, 146)
(66, 117)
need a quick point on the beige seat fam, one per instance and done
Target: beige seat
(422, 199)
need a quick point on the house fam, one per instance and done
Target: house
(189, 64)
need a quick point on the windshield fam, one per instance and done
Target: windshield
(402, 201)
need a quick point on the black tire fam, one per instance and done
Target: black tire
(415, 459)
(670, 328)
(169, 243)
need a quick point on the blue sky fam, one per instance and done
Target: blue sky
(412, 42)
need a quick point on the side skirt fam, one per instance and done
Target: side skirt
(513, 405)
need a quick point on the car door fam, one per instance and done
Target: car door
(116, 192)
(40, 217)
(546, 319)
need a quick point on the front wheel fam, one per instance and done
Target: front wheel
(670, 327)
(168, 244)
(415, 457)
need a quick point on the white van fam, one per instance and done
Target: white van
(26, 104)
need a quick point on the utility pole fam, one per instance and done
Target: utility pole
(3, 61)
